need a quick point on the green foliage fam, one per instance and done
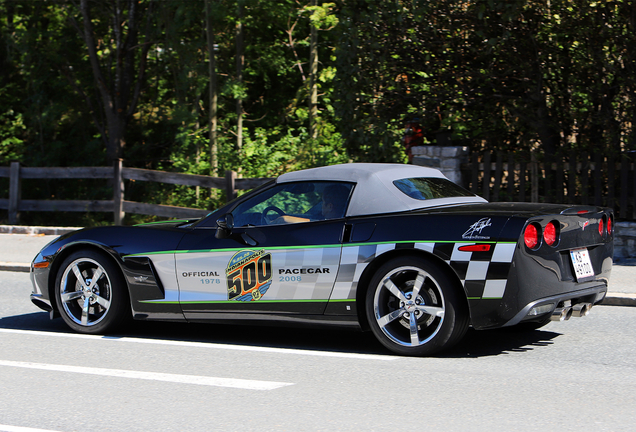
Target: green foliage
(502, 75)
(11, 128)
(322, 17)
(518, 74)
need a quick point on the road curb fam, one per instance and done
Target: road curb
(611, 299)
(619, 299)
(15, 267)
(36, 230)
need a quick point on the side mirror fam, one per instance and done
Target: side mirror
(225, 225)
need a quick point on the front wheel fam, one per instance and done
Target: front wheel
(91, 293)
(414, 308)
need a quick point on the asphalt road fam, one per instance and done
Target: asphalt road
(158, 376)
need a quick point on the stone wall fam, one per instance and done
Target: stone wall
(624, 241)
(447, 159)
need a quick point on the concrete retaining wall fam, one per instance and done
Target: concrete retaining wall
(447, 159)
(624, 241)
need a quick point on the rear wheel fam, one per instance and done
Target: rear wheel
(414, 308)
(91, 293)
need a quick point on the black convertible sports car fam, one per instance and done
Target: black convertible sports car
(397, 249)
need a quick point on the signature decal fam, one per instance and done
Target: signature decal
(249, 275)
(474, 232)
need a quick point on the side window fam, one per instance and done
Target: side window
(294, 203)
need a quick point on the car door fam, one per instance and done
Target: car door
(281, 256)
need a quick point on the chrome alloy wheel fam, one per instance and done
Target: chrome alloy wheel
(85, 292)
(409, 306)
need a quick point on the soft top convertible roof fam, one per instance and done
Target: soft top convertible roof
(375, 192)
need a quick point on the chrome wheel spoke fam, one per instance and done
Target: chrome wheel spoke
(78, 275)
(96, 275)
(102, 301)
(431, 310)
(70, 296)
(419, 283)
(87, 304)
(415, 337)
(390, 317)
(388, 283)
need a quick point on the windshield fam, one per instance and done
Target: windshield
(294, 203)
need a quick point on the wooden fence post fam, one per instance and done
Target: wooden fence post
(474, 184)
(15, 192)
(547, 178)
(598, 167)
(230, 185)
(534, 178)
(486, 184)
(522, 179)
(585, 178)
(572, 165)
(118, 192)
(510, 178)
(624, 185)
(611, 178)
(498, 175)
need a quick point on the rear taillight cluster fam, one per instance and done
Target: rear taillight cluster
(605, 226)
(534, 233)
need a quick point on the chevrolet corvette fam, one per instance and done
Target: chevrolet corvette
(398, 250)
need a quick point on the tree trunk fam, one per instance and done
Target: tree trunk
(240, 59)
(119, 94)
(214, 163)
(313, 81)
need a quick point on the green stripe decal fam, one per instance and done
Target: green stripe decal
(306, 247)
(236, 302)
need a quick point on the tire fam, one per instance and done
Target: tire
(414, 308)
(88, 306)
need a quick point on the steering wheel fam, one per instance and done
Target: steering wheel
(269, 209)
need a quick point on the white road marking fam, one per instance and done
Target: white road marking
(206, 345)
(153, 376)
(7, 428)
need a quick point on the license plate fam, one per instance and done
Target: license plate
(582, 264)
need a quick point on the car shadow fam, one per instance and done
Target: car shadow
(474, 345)
(499, 341)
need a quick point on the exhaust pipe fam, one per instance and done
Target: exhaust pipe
(581, 309)
(561, 314)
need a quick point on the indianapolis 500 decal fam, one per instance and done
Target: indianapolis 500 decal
(249, 275)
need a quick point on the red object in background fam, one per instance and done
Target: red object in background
(413, 136)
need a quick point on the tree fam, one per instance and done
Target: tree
(501, 74)
(118, 62)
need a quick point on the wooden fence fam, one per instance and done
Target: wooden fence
(118, 205)
(573, 179)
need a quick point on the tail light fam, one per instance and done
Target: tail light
(531, 236)
(550, 234)
(610, 226)
(600, 226)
